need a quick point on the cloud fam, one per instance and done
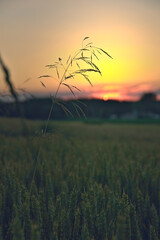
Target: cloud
(119, 91)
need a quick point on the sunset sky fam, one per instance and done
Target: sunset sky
(35, 33)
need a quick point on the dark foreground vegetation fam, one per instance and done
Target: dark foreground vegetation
(93, 181)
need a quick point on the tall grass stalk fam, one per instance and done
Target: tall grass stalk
(14, 94)
(71, 69)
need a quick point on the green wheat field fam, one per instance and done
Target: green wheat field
(93, 181)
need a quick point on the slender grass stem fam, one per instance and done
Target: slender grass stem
(92, 68)
(43, 133)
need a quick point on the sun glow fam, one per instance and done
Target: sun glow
(108, 96)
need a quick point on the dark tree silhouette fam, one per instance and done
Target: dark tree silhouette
(148, 97)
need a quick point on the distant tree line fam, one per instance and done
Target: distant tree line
(38, 108)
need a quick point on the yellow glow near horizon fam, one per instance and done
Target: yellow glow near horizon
(109, 96)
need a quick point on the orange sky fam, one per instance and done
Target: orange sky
(36, 33)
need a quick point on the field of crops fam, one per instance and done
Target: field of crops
(93, 181)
